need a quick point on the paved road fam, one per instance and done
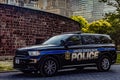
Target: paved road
(87, 74)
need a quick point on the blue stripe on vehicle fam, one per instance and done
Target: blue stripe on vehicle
(106, 49)
(55, 52)
(71, 51)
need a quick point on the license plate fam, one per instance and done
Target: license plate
(17, 61)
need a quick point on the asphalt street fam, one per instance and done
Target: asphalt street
(86, 74)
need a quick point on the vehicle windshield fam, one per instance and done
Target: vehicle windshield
(56, 40)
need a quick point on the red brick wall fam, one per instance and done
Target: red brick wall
(21, 27)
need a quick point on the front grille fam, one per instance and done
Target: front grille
(21, 53)
(25, 67)
(24, 64)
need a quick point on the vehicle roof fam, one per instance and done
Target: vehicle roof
(78, 32)
(92, 34)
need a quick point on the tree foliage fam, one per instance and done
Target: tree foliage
(114, 3)
(114, 19)
(100, 26)
(115, 22)
(82, 21)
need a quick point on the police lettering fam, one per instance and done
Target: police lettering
(84, 56)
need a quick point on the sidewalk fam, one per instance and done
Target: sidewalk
(118, 51)
(8, 71)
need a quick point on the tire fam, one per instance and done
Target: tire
(49, 67)
(104, 63)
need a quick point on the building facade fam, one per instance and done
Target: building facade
(108, 8)
(3, 1)
(20, 27)
(62, 7)
(82, 7)
(98, 8)
(89, 9)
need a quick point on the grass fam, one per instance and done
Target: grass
(118, 47)
(118, 58)
(6, 65)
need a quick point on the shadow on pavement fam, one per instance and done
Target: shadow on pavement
(65, 73)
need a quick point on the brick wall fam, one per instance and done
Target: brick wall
(21, 27)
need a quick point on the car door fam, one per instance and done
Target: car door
(74, 48)
(90, 50)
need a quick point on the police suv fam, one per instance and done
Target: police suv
(68, 50)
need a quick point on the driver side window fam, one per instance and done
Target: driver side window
(74, 40)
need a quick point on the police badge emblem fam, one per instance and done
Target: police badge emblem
(67, 55)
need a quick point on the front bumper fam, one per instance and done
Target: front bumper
(25, 64)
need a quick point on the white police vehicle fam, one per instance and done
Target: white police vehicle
(67, 50)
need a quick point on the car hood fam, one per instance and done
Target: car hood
(39, 47)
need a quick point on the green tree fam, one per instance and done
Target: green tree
(114, 3)
(100, 26)
(82, 21)
(115, 22)
(114, 19)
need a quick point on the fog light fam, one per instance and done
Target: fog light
(33, 60)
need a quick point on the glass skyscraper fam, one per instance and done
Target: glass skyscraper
(90, 9)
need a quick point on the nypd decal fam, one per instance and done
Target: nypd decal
(85, 54)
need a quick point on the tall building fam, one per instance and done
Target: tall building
(75, 5)
(90, 9)
(3, 1)
(98, 8)
(61, 7)
(42, 4)
(22, 3)
(108, 8)
(13, 2)
(82, 7)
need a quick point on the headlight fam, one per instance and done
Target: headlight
(34, 53)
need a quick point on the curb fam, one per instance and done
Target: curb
(9, 71)
(116, 64)
(117, 51)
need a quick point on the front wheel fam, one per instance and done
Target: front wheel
(104, 63)
(49, 67)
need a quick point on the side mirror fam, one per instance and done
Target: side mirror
(63, 43)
